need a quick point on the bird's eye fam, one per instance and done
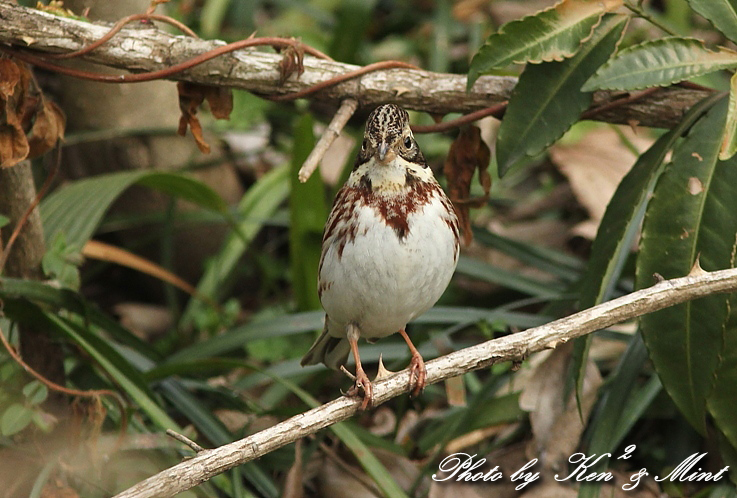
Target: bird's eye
(364, 144)
(408, 142)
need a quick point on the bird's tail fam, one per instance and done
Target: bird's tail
(332, 351)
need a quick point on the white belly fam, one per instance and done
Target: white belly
(381, 282)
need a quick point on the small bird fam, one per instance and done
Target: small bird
(389, 249)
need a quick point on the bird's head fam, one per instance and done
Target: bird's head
(388, 135)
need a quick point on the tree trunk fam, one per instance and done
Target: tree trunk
(38, 349)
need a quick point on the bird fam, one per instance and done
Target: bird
(389, 249)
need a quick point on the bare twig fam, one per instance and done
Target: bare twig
(202, 467)
(185, 440)
(346, 110)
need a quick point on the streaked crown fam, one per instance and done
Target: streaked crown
(388, 135)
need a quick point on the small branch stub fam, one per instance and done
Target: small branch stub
(346, 110)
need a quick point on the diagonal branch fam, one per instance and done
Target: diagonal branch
(210, 463)
(145, 48)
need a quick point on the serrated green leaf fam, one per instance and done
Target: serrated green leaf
(619, 227)
(76, 209)
(729, 135)
(307, 213)
(722, 399)
(721, 13)
(14, 419)
(550, 35)
(690, 217)
(548, 98)
(660, 63)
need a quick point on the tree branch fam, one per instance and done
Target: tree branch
(146, 48)
(209, 463)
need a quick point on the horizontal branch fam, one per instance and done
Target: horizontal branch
(210, 463)
(146, 48)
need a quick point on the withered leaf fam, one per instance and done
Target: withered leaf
(467, 154)
(9, 77)
(47, 129)
(14, 80)
(191, 96)
(293, 61)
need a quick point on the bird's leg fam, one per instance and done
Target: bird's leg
(417, 371)
(362, 381)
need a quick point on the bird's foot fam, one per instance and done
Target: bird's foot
(362, 385)
(417, 374)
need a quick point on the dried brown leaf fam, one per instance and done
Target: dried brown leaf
(291, 62)
(47, 129)
(467, 154)
(14, 79)
(220, 100)
(10, 75)
(191, 96)
(594, 166)
(13, 145)
(556, 423)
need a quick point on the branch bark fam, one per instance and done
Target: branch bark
(146, 48)
(209, 463)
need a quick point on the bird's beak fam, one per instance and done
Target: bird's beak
(383, 148)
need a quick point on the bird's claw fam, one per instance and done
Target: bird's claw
(363, 384)
(417, 375)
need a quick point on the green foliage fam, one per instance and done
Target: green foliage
(660, 63)
(551, 35)
(691, 219)
(77, 209)
(548, 98)
(308, 211)
(227, 362)
(61, 262)
(721, 13)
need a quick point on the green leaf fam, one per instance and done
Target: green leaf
(548, 98)
(48, 295)
(4, 220)
(76, 209)
(307, 213)
(35, 392)
(619, 227)
(729, 136)
(550, 35)
(211, 18)
(15, 418)
(721, 400)
(61, 262)
(721, 13)
(120, 371)
(353, 19)
(257, 205)
(608, 425)
(558, 263)
(512, 280)
(660, 63)
(690, 217)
